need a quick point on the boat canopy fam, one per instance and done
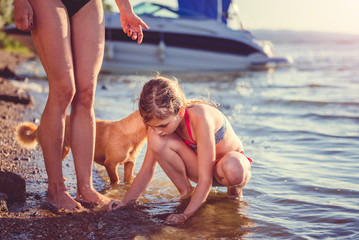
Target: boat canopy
(187, 9)
(214, 9)
(159, 10)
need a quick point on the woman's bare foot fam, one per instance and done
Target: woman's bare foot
(62, 201)
(235, 192)
(91, 196)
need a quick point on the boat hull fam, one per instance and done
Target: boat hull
(176, 45)
(129, 57)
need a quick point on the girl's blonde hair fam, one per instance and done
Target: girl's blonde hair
(162, 97)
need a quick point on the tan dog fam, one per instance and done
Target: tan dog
(117, 142)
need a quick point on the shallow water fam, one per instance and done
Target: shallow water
(300, 125)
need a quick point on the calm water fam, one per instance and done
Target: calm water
(300, 125)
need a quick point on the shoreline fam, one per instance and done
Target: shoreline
(31, 219)
(22, 172)
(17, 165)
(15, 103)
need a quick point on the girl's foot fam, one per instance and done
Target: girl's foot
(188, 193)
(62, 201)
(235, 192)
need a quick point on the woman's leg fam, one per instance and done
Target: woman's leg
(176, 159)
(233, 170)
(51, 36)
(88, 39)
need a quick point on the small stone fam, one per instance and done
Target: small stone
(3, 204)
(13, 186)
(37, 197)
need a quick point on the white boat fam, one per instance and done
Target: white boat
(183, 40)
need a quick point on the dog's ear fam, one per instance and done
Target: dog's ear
(181, 111)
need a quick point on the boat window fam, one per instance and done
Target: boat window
(145, 8)
(154, 10)
(165, 13)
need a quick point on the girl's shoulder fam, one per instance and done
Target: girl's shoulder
(203, 111)
(205, 116)
(200, 108)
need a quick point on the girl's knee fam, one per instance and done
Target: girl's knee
(159, 144)
(236, 169)
(234, 174)
(156, 142)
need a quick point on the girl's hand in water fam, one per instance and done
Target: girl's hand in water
(115, 204)
(23, 15)
(175, 219)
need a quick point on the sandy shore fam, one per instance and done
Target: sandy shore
(22, 215)
(15, 103)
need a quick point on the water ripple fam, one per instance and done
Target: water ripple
(311, 103)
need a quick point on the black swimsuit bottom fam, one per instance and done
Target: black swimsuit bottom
(73, 6)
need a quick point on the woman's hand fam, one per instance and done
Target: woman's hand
(132, 25)
(115, 204)
(23, 15)
(175, 219)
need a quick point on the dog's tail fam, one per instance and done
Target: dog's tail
(26, 135)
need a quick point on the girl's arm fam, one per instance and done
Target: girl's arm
(206, 159)
(143, 178)
(131, 24)
(140, 183)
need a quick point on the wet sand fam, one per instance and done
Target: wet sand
(23, 215)
(15, 103)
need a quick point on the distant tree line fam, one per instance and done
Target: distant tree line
(7, 18)
(6, 12)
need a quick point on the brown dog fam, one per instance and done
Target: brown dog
(117, 142)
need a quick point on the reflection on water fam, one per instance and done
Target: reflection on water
(220, 217)
(300, 126)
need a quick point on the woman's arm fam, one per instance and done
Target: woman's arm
(23, 15)
(131, 24)
(204, 130)
(140, 183)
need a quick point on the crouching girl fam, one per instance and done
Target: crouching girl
(192, 141)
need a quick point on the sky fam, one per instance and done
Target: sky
(302, 15)
(341, 16)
